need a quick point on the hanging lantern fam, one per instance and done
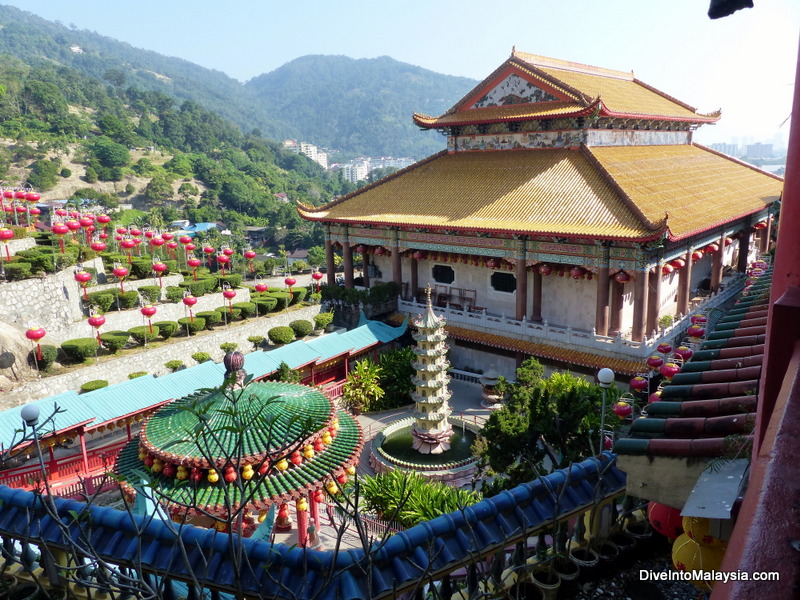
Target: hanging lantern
(282, 465)
(667, 269)
(149, 234)
(669, 370)
(6, 235)
(665, 519)
(360, 248)
(711, 248)
(418, 255)
(577, 272)
(247, 472)
(654, 397)
(622, 277)
(97, 321)
(35, 334)
(308, 451)
(639, 383)
(156, 243)
(697, 255)
(332, 488)
(213, 476)
(60, 230)
(128, 244)
(83, 278)
(185, 239)
(98, 246)
(698, 319)
(122, 231)
(136, 232)
(380, 251)
(223, 260)
(230, 474)
(159, 268)
(250, 255)
(760, 225)
(209, 250)
(121, 273)
(664, 348)
(229, 295)
(545, 270)
(655, 362)
(319, 496)
(695, 332)
(622, 409)
(692, 557)
(319, 446)
(492, 263)
(699, 529)
(296, 458)
(189, 302)
(148, 311)
(684, 352)
(317, 276)
(290, 281)
(228, 251)
(194, 263)
(35, 212)
(260, 287)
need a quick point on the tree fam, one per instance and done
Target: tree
(158, 189)
(109, 152)
(396, 374)
(362, 388)
(316, 256)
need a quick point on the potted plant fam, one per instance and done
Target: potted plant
(324, 320)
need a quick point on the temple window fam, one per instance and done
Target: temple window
(504, 282)
(443, 274)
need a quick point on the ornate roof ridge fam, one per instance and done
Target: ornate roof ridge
(536, 60)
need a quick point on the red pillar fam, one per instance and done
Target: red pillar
(639, 305)
(347, 254)
(653, 299)
(313, 506)
(536, 309)
(617, 303)
(602, 307)
(330, 265)
(684, 284)
(302, 524)
(522, 287)
(744, 249)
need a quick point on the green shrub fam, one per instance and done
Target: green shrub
(248, 309)
(110, 258)
(281, 335)
(114, 341)
(287, 374)
(150, 293)
(102, 301)
(301, 328)
(142, 334)
(174, 294)
(256, 340)
(212, 318)
(16, 271)
(232, 279)
(128, 299)
(265, 304)
(201, 357)
(229, 314)
(228, 346)
(315, 298)
(65, 172)
(90, 386)
(79, 349)
(323, 319)
(49, 354)
(282, 299)
(40, 260)
(166, 329)
(19, 232)
(298, 295)
(197, 288)
(136, 374)
(174, 365)
(141, 269)
(192, 326)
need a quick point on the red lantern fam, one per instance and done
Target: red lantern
(128, 245)
(316, 276)
(655, 362)
(667, 269)
(622, 409)
(664, 348)
(696, 332)
(35, 334)
(194, 263)
(60, 230)
(545, 270)
(122, 231)
(185, 239)
(669, 370)
(136, 232)
(103, 235)
(697, 255)
(5, 235)
(342, 479)
(32, 197)
(83, 278)
(159, 269)
(209, 250)
(639, 383)
(148, 311)
(260, 287)
(230, 295)
(149, 234)
(319, 445)
(296, 458)
(97, 321)
(698, 319)
(380, 250)
(290, 281)
(711, 248)
(360, 248)
(654, 397)
(492, 263)
(760, 225)
(577, 272)
(418, 255)
(228, 251)
(622, 277)
(121, 273)
(223, 260)
(167, 236)
(684, 352)
(230, 474)
(156, 242)
(103, 219)
(190, 301)
(19, 194)
(98, 246)
(665, 520)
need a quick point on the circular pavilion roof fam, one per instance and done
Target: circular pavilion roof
(291, 433)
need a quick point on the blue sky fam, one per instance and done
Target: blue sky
(744, 64)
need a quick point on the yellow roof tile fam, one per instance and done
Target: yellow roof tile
(526, 191)
(697, 187)
(501, 113)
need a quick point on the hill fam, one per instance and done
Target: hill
(362, 107)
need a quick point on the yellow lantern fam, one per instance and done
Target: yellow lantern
(308, 451)
(282, 465)
(262, 514)
(247, 472)
(351, 470)
(331, 488)
(142, 454)
(327, 439)
(221, 526)
(213, 476)
(183, 473)
(335, 424)
(302, 505)
(699, 529)
(158, 466)
(688, 555)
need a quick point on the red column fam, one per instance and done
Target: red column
(744, 249)
(302, 524)
(653, 299)
(602, 308)
(397, 267)
(313, 506)
(522, 287)
(684, 284)
(639, 305)
(716, 265)
(414, 278)
(536, 309)
(347, 255)
(82, 438)
(365, 266)
(330, 265)
(616, 302)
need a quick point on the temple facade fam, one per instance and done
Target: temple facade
(571, 217)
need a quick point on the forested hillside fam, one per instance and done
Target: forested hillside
(361, 107)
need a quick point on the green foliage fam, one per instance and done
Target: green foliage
(44, 174)
(16, 271)
(282, 299)
(79, 349)
(142, 334)
(150, 293)
(137, 374)
(174, 294)
(265, 304)
(248, 309)
(90, 386)
(158, 189)
(227, 347)
(109, 153)
(396, 374)
(65, 172)
(298, 295)
(201, 357)
(200, 287)
(49, 355)
(315, 297)
(281, 335)
(192, 326)
(316, 256)
(256, 340)
(323, 319)
(234, 280)
(362, 389)
(102, 301)
(377, 294)
(114, 341)
(166, 329)
(128, 299)
(212, 317)
(410, 499)
(42, 260)
(301, 328)
(174, 365)
(287, 374)
(229, 313)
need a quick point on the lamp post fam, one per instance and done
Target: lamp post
(605, 378)
(30, 416)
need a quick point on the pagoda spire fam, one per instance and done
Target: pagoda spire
(432, 430)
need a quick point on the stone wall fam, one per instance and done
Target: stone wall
(19, 245)
(135, 284)
(152, 360)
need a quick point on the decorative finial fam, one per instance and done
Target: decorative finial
(428, 295)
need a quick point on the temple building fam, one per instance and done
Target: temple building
(571, 217)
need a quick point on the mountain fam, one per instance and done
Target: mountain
(362, 107)
(359, 106)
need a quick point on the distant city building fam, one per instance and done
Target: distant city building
(384, 162)
(729, 149)
(758, 150)
(356, 171)
(76, 49)
(310, 150)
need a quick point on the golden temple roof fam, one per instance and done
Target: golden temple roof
(610, 192)
(576, 88)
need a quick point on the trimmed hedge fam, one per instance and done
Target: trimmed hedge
(136, 374)
(193, 326)
(282, 299)
(151, 293)
(231, 314)
(199, 287)
(265, 304)
(174, 365)
(90, 386)
(40, 260)
(174, 294)
(166, 329)
(232, 279)
(128, 299)
(102, 301)
(114, 341)
(301, 328)
(281, 335)
(49, 355)
(79, 349)
(212, 317)
(142, 334)
(298, 295)
(248, 309)
(323, 319)
(201, 357)
(16, 271)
